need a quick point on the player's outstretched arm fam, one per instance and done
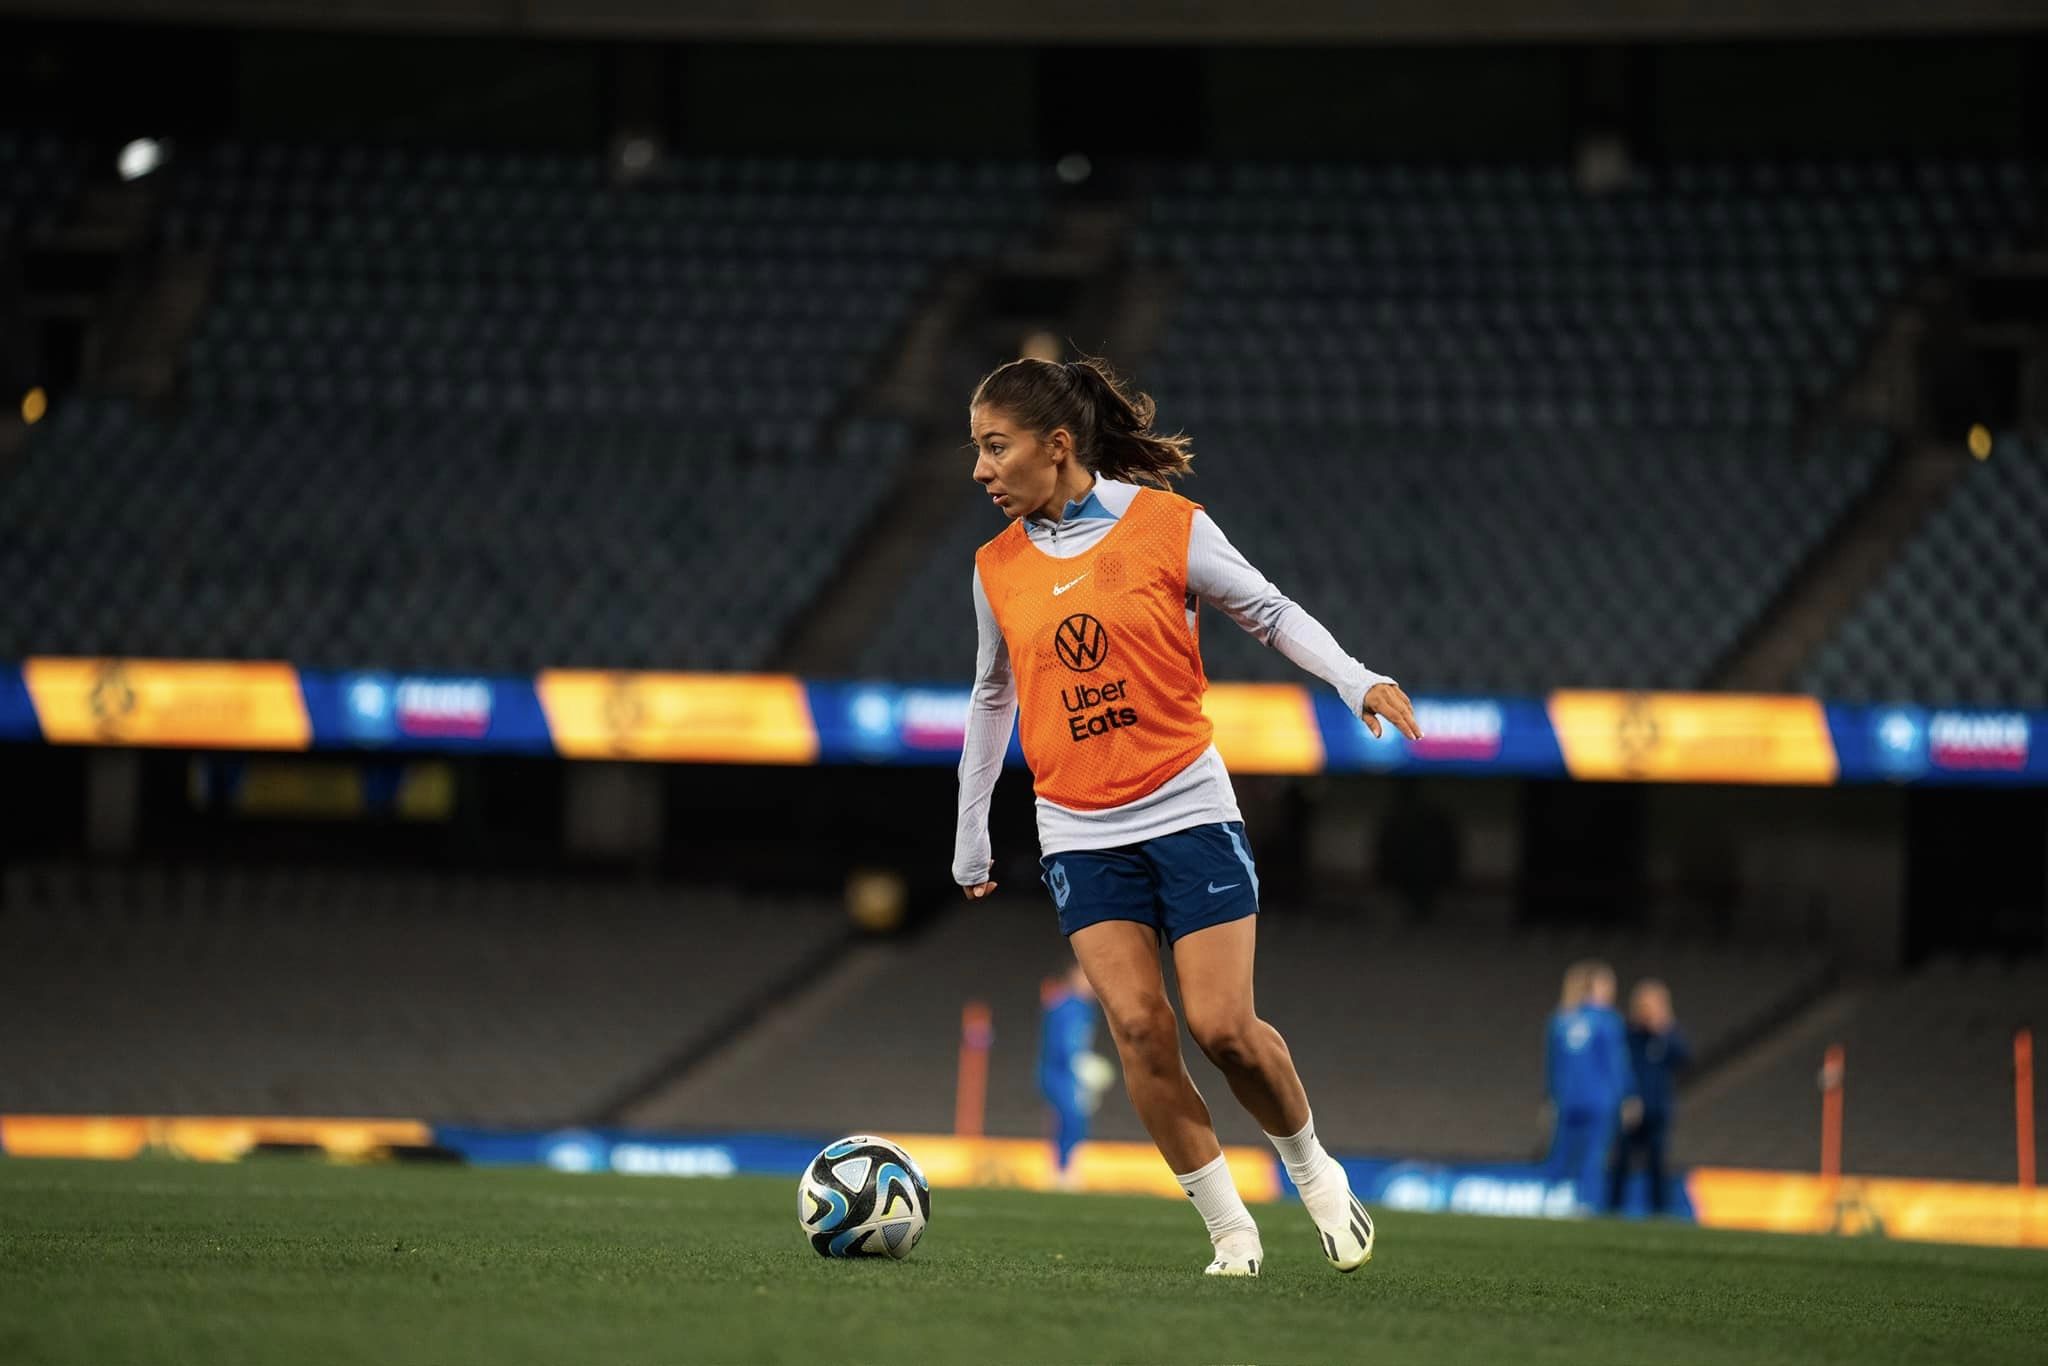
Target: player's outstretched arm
(991, 712)
(1221, 576)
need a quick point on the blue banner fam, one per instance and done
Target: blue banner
(439, 712)
(17, 713)
(883, 723)
(1501, 735)
(1498, 1188)
(1517, 1189)
(635, 1154)
(1939, 745)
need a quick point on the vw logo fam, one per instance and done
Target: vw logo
(1081, 642)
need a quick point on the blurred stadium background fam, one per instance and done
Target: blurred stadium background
(572, 397)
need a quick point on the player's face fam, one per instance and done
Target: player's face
(1018, 469)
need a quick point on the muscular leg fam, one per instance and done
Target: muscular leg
(1215, 968)
(1121, 958)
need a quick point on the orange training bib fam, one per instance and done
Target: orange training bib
(1109, 673)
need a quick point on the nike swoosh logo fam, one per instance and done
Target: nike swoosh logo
(1060, 588)
(1213, 888)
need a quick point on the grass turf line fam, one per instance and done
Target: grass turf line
(284, 1260)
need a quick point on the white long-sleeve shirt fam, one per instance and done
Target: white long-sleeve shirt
(1200, 793)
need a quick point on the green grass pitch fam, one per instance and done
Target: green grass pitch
(288, 1261)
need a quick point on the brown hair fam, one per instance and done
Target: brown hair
(1111, 424)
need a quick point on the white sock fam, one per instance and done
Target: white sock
(1312, 1171)
(1217, 1201)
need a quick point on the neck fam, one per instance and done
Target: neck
(1072, 486)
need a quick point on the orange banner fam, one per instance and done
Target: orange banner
(1124, 1168)
(1880, 1207)
(1265, 727)
(201, 705)
(1693, 737)
(706, 718)
(206, 1139)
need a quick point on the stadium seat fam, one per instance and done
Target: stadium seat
(1957, 617)
(1928, 1090)
(450, 997)
(487, 412)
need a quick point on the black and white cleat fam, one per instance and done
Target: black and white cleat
(1348, 1246)
(1236, 1255)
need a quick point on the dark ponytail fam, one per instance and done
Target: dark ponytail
(1111, 425)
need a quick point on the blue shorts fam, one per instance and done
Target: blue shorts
(1178, 883)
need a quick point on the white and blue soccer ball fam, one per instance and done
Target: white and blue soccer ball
(863, 1197)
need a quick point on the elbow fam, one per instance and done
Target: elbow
(1272, 618)
(1261, 623)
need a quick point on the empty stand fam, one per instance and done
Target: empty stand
(1959, 616)
(725, 296)
(1485, 562)
(492, 412)
(1502, 297)
(357, 540)
(1928, 1085)
(487, 999)
(1410, 1042)
(1500, 433)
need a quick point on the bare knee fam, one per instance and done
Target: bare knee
(1229, 1041)
(1146, 1034)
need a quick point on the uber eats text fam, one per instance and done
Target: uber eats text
(1082, 722)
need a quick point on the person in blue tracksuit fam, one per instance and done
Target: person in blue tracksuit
(1586, 1080)
(1657, 1053)
(1068, 1066)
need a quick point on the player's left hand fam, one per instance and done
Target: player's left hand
(1387, 699)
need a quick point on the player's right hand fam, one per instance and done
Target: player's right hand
(979, 890)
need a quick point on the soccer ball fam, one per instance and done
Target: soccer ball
(863, 1197)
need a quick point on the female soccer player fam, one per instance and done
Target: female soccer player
(1085, 610)
(1586, 1079)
